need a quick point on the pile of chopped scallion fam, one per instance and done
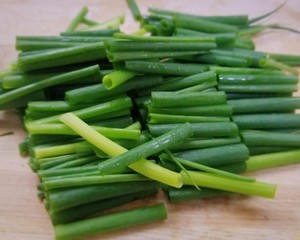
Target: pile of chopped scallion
(184, 105)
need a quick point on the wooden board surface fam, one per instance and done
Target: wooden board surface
(22, 215)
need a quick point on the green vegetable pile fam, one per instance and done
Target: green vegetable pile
(185, 105)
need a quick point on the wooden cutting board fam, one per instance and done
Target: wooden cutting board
(22, 215)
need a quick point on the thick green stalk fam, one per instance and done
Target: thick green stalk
(137, 55)
(267, 121)
(214, 156)
(89, 209)
(188, 99)
(171, 118)
(165, 68)
(257, 105)
(111, 222)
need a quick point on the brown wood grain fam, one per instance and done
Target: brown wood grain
(22, 215)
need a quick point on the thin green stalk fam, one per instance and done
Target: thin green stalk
(61, 129)
(213, 110)
(95, 33)
(214, 181)
(167, 39)
(56, 150)
(64, 172)
(271, 160)
(120, 46)
(199, 88)
(207, 169)
(63, 78)
(89, 22)
(230, 70)
(62, 57)
(217, 59)
(256, 19)
(259, 88)
(77, 20)
(110, 24)
(93, 111)
(134, 10)
(91, 180)
(178, 83)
